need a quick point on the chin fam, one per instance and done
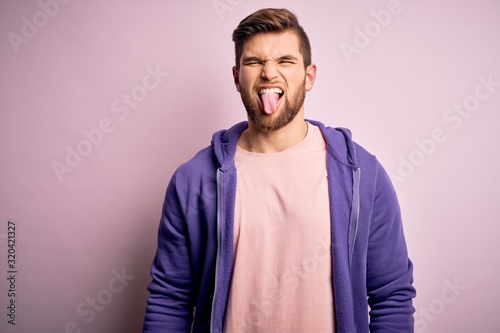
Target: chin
(267, 123)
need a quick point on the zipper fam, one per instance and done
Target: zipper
(353, 230)
(219, 235)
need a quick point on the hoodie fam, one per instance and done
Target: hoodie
(191, 271)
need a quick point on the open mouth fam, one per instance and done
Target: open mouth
(270, 98)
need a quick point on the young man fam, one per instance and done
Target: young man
(282, 224)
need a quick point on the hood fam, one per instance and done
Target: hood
(339, 144)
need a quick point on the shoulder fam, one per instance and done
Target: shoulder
(343, 148)
(201, 164)
(219, 154)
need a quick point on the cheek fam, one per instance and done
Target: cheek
(249, 75)
(246, 85)
(294, 78)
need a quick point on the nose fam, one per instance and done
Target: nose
(269, 71)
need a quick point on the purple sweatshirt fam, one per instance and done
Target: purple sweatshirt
(372, 274)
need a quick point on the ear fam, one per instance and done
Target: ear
(236, 78)
(310, 76)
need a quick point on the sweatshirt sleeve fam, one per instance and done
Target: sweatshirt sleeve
(389, 270)
(170, 302)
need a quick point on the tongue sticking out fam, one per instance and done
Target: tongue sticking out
(270, 102)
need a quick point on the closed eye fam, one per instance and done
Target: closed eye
(288, 60)
(252, 61)
(284, 61)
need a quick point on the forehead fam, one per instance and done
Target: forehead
(272, 44)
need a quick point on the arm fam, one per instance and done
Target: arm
(170, 303)
(389, 270)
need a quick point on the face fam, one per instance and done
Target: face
(272, 79)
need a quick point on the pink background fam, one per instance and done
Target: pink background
(67, 76)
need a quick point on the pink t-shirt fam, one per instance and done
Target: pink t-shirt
(282, 279)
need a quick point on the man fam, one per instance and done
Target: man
(282, 224)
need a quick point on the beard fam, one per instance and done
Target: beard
(290, 107)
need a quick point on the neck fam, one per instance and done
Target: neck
(257, 141)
